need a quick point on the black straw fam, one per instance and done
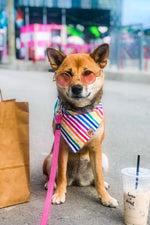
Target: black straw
(137, 172)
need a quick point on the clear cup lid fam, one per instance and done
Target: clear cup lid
(131, 171)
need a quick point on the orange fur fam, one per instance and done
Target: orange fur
(92, 151)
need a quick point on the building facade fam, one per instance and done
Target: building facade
(115, 6)
(88, 17)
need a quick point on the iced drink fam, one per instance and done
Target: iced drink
(136, 205)
(136, 197)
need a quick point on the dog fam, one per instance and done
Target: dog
(79, 80)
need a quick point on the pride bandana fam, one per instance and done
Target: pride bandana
(78, 128)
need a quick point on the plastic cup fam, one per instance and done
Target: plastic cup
(136, 195)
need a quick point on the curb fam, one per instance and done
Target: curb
(128, 76)
(117, 75)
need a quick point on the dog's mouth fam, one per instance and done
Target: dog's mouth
(77, 92)
(78, 97)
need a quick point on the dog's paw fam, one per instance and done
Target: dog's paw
(110, 202)
(107, 186)
(58, 198)
(46, 185)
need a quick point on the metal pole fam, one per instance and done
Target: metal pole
(11, 31)
(26, 15)
(141, 56)
(44, 15)
(118, 49)
(63, 30)
(5, 42)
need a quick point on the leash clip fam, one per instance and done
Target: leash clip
(59, 108)
(58, 117)
(58, 126)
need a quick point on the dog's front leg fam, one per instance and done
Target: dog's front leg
(96, 163)
(60, 192)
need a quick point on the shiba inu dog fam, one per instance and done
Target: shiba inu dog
(79, 80)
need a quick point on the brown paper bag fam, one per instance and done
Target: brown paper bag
(14, 152)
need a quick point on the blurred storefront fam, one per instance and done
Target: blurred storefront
(88, 21)
(74, 26)
(113, 5)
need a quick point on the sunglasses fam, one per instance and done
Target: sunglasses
(64, 79)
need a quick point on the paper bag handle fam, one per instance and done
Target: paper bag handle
(9, 100)
(1, 95)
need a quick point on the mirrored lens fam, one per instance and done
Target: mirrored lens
(88, 77)
(63, 79)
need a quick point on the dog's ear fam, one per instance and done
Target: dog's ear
(100, 55)
(55, 57)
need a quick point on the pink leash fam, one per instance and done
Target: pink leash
(52, 177)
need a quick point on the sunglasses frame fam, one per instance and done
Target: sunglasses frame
(79, 77)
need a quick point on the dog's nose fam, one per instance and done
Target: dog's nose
(76, 89)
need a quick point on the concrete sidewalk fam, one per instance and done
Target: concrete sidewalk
(128, 76)
(126, 107)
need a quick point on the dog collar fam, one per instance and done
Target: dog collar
(78, 128)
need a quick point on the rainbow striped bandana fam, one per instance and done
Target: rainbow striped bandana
(77, 128)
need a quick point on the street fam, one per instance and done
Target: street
(126, 107)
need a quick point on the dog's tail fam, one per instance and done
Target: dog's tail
(105, 163)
